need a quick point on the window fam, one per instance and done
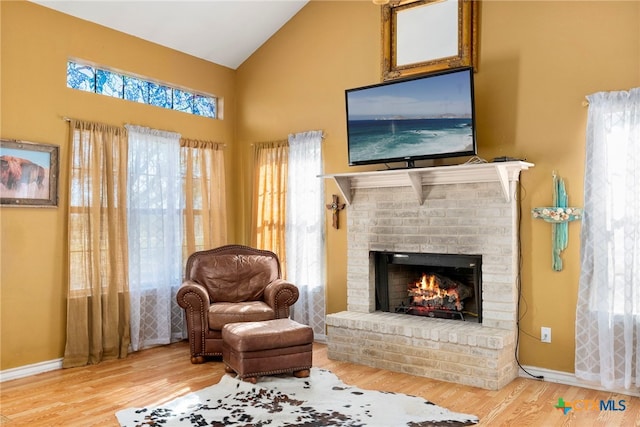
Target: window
(608, 309)
(137, 200)
(288, 218)
(110, 83)
(155, 201)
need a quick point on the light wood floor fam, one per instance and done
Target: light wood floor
(91, 396)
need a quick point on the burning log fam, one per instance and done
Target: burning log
(435, 291)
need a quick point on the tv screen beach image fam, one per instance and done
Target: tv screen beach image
(415, 118)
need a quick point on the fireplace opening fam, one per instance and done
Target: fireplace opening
(425, 284)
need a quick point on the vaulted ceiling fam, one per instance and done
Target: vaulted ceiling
(225, 32)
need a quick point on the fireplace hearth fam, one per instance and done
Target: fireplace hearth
(447, 286)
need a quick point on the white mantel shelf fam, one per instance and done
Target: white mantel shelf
(503, 172)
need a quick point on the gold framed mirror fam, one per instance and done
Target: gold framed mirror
(420, 36)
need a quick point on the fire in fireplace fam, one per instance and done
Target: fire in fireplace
(435, 285)
(435, 294)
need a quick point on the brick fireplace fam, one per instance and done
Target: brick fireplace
(466, 210)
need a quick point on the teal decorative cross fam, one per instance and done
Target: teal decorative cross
(559, 215)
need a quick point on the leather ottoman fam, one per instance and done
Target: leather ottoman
(269, 347)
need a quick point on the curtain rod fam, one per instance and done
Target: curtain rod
(324, 135)
(224, 145)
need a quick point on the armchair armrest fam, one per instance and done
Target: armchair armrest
(193, 296)
(280, 295)
(194, 299)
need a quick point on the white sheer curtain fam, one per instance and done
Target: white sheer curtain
(304, 234)
(608, 310)
(154, 215)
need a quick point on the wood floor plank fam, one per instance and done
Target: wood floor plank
(90, 396)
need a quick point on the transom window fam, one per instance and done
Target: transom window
(88, 78)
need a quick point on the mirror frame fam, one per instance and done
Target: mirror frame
(468, 16)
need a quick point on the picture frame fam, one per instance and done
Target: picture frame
(28, 174)
(422, 36)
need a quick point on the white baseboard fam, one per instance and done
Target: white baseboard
(28, 370)
(567, 378)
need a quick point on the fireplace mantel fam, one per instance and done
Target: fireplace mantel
(503, 172)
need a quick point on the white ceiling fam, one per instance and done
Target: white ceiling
(225, 32)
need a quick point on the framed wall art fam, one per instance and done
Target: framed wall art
(421, 36)
(28, 173)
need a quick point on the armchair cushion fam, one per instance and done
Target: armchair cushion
(221, 313)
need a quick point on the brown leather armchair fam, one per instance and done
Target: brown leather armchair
(232, 283)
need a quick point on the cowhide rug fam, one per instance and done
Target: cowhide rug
(320, 400)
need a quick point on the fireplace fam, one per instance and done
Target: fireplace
(447, 286)
(466, 209)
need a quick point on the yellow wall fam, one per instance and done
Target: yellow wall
(296, 82)
(537, 62)
(35, 45)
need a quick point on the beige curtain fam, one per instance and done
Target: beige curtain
(205, 224)
(270, 196)
(98, 295)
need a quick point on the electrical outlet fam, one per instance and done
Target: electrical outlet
(545, 334)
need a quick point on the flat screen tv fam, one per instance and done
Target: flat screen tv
(426, 117)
